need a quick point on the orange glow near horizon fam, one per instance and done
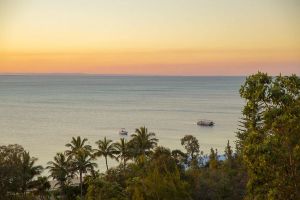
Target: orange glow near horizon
(155, 38)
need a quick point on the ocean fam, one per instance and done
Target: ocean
(43, 112)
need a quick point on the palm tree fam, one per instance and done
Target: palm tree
(106, 149)
(81, 155)
(28, 171)
(143, 142)
(42, 186)
(60, 170)
(83, 162)
(77, 144)
(122, 151)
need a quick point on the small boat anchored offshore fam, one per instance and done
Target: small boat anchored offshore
(123, 131)
(205, 122)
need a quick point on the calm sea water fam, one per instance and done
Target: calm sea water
(42, 113)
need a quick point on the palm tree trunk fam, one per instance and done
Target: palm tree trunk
(24, 193)
(80, 173)
(106, 163)
(62, 185)
(124, 165)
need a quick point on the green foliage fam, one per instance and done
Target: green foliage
(142, 142)
(192, 148)
(28, 170)
(99, 189)
(160, 180)
(61, 170)
(228, 152)
(76, 145)
(106, 148)
(270, 139)
(191, 145)
(180, 158)
(218, 179)
(213, 159)
(9, 170)
(159, 186)
(17, 172)
(42, 186)
(71, 192)
(81, 158)
(153, 173)
(122, 151)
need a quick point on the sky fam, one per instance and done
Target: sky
(143, 37)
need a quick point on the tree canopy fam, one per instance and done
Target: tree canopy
(269, 141)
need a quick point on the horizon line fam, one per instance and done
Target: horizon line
(133, 75)
(119, 75)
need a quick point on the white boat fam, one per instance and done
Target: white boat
(123, 131)
(205, 122)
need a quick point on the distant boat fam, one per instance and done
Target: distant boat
(123, 131)
(205, 122)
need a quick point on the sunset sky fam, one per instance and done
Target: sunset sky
(150, 37)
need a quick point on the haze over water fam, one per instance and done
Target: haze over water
(43, 112)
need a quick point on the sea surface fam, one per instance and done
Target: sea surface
(43, 112)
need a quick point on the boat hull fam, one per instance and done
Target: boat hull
(205, 123)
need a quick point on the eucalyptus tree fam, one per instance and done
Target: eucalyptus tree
(106, 148)
(269, 140)
(192, 148)
(60, 170)
(142, 142)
